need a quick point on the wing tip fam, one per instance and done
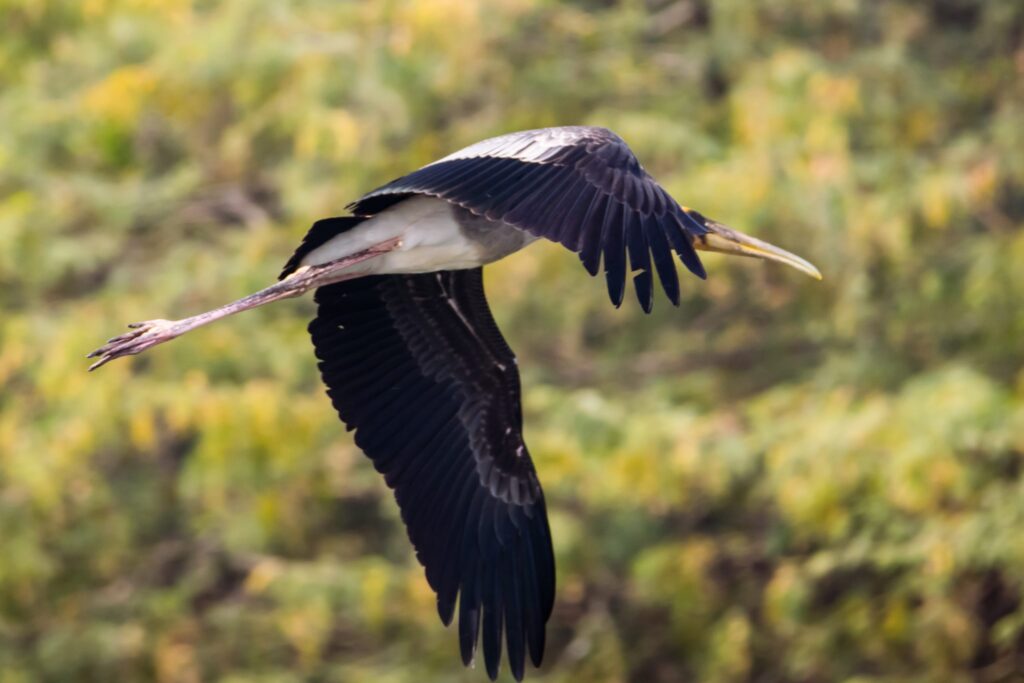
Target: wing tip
(697, 268)
(469, 629)
(446, 611)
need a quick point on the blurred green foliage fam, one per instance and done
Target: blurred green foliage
(781, 480)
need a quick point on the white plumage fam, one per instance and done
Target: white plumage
(435, 235)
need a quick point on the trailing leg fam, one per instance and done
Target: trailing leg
(147, 334)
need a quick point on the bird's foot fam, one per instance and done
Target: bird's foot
(142, 336)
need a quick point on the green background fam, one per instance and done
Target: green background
(779, 481)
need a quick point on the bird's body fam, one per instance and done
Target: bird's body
(416, 366)
(435, 235)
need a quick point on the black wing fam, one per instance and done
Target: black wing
(576, 185)
(416, 365)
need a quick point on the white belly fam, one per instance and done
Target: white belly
(432, 239)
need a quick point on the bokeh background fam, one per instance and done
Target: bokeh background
(781, 480)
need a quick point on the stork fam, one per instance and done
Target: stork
(415, 364)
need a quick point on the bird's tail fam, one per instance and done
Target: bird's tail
(322, 231)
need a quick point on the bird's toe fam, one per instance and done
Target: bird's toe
(142, 336)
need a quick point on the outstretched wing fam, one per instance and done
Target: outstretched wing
(416, 365)
(576, 185)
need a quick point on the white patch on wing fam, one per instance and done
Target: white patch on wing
(528, 145)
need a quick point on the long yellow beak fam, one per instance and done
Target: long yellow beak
(729, 241)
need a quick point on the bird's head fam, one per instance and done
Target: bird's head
(725, 240)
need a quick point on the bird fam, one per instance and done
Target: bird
(416, 366)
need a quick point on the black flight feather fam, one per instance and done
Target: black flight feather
(560, 184)
(422, 352)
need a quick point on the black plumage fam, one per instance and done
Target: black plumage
(417, 367)
(576, 185)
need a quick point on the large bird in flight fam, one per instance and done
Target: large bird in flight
(414, 362)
